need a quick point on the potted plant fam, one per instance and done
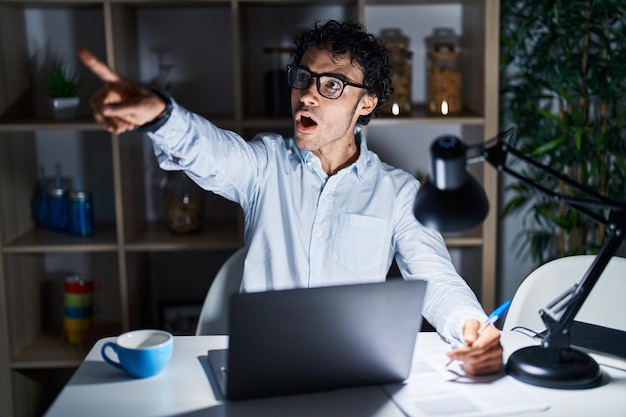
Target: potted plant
(62, 86)
(564, 90)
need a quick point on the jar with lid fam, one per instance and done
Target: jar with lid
(397, 46)
(184, 203)
(444, 73)
(277, 93)
(81, 213)
(57, 208)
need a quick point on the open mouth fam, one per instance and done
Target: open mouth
(307, 121)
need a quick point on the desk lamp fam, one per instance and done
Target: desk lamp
(451, 200)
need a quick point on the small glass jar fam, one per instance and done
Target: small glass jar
(444, 74)
(81, 213)
(396, 44)
(57, 209)
(184, 204)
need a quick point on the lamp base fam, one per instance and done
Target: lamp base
(554, 368)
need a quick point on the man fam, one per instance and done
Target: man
(320, 208)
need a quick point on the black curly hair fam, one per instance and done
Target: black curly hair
(364, 48)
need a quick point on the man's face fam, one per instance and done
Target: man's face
(321, 124)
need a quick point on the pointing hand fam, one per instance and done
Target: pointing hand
(120, 105)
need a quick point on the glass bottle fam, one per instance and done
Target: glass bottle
(444, 73)
(81, 213)
(396, 44)
(184, 203)
(57, 205)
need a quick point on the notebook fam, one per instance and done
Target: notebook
(317, 339)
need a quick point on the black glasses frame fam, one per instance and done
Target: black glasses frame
(297, 68)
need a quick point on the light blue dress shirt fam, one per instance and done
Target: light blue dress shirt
(304, 228)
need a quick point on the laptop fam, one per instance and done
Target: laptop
(317, 339)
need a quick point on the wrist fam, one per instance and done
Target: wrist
(161, 119)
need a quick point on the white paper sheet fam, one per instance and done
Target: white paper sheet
(433, 390)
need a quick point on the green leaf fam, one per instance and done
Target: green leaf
(563, 88)
(60, 82)
(550, 145)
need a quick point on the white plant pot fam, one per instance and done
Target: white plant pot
(64, 108)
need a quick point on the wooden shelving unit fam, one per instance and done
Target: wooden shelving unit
(217, 48)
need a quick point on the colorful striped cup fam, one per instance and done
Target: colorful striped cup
(77, 330)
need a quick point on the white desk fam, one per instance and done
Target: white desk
(184, 389)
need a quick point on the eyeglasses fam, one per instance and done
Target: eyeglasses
(328, 85)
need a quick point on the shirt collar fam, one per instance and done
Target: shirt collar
(358, 167)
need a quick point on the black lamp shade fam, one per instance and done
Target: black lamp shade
(450, 200)
(450, 211)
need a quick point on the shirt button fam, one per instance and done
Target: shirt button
(318, 233)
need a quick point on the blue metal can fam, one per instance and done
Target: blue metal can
(57, 208)
(81, 213)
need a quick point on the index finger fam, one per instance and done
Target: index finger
(102, 70)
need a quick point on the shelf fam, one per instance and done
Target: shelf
(40, 240)
(154, 236)
(420, 116)
(34, 124)
(48, 350)
(216, 234)
(473, 238)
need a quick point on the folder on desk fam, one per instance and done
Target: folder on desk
(317, 339)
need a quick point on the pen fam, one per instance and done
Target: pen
(495, 315)
(491, 319)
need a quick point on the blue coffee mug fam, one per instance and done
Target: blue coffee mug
(78, 312)
(140, 353)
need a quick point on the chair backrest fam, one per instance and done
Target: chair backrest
(214, 315)
(605, 305)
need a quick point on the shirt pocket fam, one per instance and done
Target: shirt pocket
(359, 242)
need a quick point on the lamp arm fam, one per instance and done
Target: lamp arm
(557, 331)
(557, 334)
(496, 156)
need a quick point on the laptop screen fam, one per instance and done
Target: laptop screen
(307, 340)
